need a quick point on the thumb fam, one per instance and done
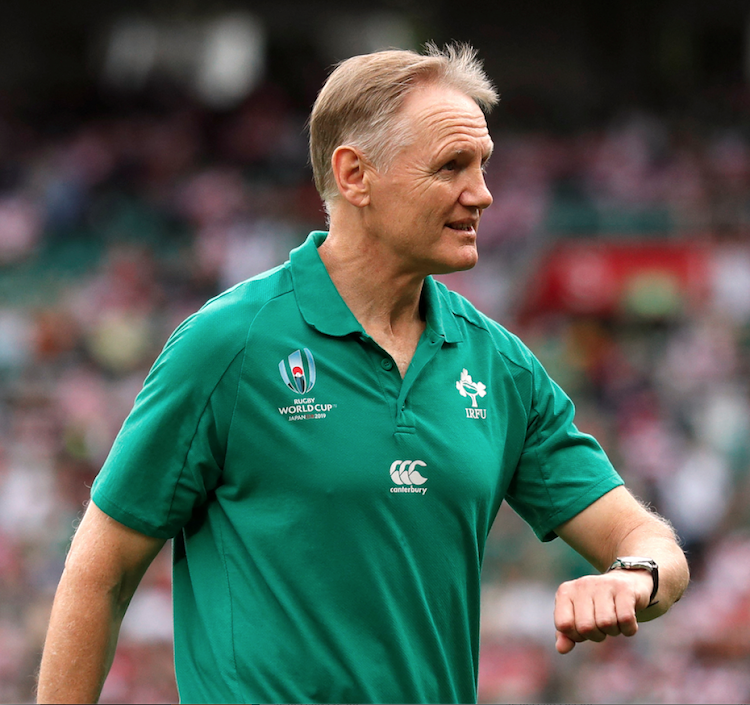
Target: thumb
(564, 644)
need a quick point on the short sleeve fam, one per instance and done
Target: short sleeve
(169, 454)
(561, 471)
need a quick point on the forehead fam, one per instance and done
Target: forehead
(439, 114)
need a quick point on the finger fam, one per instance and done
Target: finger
(625, 608)
(586, 623)
(565, 618)
(607, 619)
(564, 644)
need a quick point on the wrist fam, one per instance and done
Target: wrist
(641, 564)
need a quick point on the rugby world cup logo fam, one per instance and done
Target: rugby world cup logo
(298, 373)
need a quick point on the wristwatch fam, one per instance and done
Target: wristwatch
(639, 563)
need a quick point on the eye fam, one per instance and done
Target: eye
(452, 165)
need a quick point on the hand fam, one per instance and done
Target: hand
(597, 606)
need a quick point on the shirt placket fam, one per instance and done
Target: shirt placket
(396, 389)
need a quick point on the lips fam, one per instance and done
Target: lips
(467, 226)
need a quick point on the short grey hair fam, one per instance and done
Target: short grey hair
(359, 104)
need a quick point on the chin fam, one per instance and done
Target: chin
(457, 264)
(466, 258)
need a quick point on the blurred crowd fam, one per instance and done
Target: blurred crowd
(116, 226)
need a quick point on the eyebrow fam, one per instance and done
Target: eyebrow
(457, 153)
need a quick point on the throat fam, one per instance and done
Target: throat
(400, 347)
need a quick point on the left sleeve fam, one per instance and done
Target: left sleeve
(561, 471)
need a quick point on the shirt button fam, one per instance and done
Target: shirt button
(386, 364)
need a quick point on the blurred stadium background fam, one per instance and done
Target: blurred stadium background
(153, 153)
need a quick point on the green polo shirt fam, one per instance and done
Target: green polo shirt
(329, 517)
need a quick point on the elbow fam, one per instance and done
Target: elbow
(98, 583)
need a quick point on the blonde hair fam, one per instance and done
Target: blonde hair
(359, 104)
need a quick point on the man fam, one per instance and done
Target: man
(328, 443)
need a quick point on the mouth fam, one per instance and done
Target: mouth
(464, 226)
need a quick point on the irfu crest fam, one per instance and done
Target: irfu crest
(469, 388)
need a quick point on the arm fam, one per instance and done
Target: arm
(596, 606)
(104, 566)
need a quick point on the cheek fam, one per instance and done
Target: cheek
(419, 205)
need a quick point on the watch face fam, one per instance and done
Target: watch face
(636, 562)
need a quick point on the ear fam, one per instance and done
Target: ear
(352, 173)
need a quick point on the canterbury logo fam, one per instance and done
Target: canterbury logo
(405, 473)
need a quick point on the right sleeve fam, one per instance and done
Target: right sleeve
(169, 454)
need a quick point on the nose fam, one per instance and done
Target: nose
(476, 194)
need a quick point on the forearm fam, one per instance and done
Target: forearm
(618, 525)
(594, 607)
(104, 566)
(658, 541)
(81, 641)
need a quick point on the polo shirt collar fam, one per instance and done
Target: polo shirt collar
(439, 316)
(323, 308)
(318, 299)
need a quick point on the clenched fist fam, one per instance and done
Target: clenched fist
(594, 607)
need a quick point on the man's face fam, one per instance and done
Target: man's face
(425, 208)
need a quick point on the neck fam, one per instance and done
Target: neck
(383, 297)
(378, 292)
